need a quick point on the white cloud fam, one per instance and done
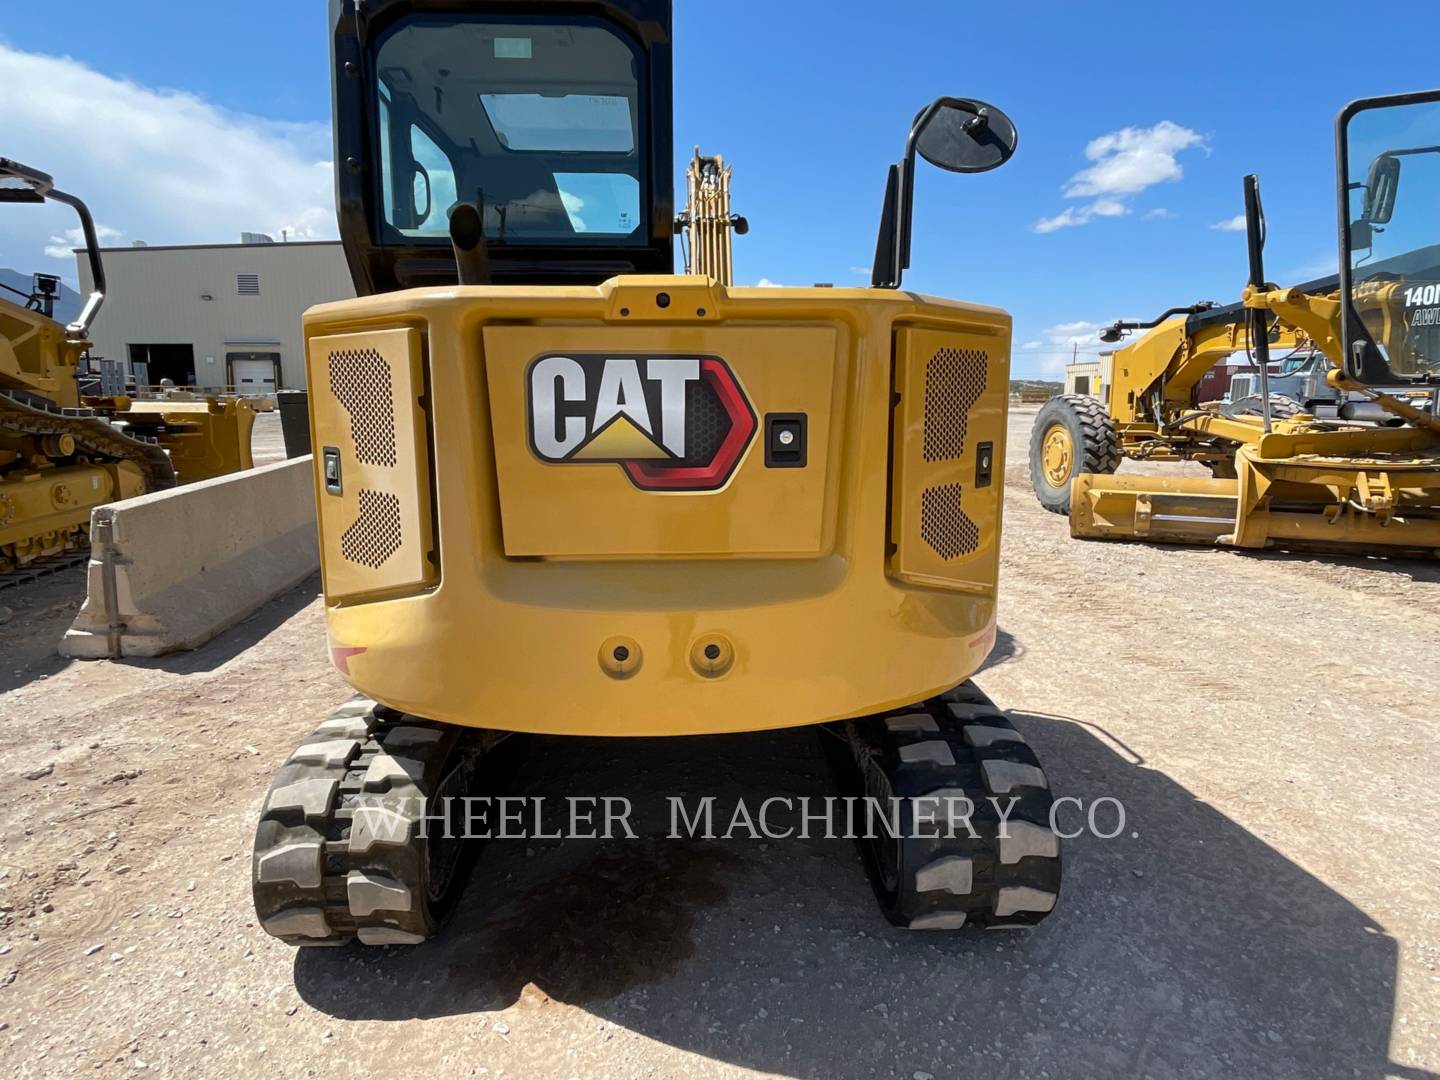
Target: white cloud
(1079, 215)
(1063, 220)
(573, 204)
(1234, 224)
(864, 271)
(1126, 162)
(1158, 214)
(766, 283)
(1323, 266)
(1132, 159)
(160, 165)
(1063, 341)
(63, 246)
(1075, 333)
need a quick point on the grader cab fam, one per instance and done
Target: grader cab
(1359, 473)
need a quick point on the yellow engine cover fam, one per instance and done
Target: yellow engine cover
(658, 505)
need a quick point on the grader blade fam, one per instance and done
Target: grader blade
(1173, 509)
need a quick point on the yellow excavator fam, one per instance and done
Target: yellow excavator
(1357, 472)
(563, 489)
(61, 453)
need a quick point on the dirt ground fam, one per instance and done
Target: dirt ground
(1270, 909)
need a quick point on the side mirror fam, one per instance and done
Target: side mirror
(1362, 235)
(965, 136)
(957, 134)
(1381, 183)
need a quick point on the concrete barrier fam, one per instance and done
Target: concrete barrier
(170, 570)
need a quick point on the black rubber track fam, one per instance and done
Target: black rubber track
(947, 755)
(339, 853)
(1094, 435)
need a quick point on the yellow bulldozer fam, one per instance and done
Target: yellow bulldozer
(563, 489)
(63, 453)
(1353, 468)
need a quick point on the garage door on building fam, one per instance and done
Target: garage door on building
(254, 372)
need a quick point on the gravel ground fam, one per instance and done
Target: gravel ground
(1268, 911)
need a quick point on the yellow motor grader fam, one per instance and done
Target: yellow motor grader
(563, 489)
(1361, 474)
(61, 453)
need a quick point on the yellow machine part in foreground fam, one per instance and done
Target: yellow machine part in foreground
(470, 581)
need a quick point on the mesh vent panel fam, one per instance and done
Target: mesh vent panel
(954, 381)
(706, 422)
(361, 381)
(944, 525)
(375, 536)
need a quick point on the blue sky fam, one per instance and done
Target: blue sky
(809, 101)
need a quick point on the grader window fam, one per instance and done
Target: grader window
(538, 124)
(1392, 176)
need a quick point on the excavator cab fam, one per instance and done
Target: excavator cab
(553, 122)
(1388, 162)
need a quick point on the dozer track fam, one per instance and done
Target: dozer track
(351, 842)
(95, 438)
(31, 414)
(956, 765)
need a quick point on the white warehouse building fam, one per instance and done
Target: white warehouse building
(213, 315)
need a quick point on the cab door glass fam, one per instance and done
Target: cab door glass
(1393, 179)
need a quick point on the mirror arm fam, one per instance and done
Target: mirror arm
(44, 186)
(893, 239)
(1258, 329)
(80, 328)
(906, 200)
(1121, 327)
(883, 274)
(904, 213)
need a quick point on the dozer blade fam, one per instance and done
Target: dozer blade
(1173, 509)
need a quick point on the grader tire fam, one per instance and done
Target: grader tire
(1072, 434)
(1281, 407)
